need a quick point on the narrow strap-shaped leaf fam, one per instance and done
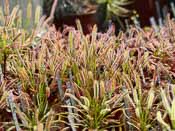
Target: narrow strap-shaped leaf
(59, 86)
(70, 117)
(12, 107)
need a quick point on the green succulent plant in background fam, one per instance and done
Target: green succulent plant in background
(103, 9)
(114, 10)
(116, 7)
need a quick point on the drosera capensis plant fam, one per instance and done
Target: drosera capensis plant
(142, 109)
(168, 111)
(98, 112)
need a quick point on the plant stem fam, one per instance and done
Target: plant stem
(4, 67)
(1, 75)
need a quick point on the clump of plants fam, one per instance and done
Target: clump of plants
(70, 81)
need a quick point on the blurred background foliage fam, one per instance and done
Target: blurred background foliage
(101, 12)
(29, 12)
